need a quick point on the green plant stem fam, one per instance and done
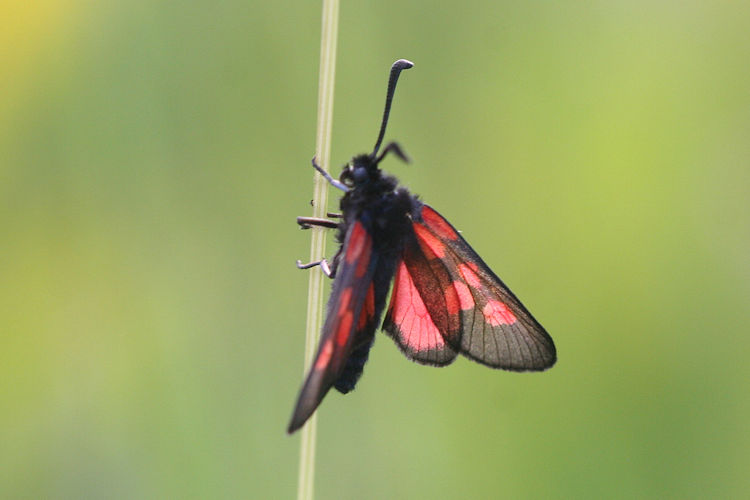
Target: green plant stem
(329, 36)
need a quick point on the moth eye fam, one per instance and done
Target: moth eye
(359, 174)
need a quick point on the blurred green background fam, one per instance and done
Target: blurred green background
(153, 156)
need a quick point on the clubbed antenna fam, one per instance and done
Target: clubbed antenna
(396, 69)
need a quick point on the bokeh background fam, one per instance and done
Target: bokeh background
(153, 156)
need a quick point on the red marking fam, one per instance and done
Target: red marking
(451, 300)
(418, 331)
(357, 242)
(497, 313)
(364, 260)
(362, 320)
(469, 275)
(431, 246)
(464, 295)
(346, 296)
(473, 266)
(345, 327)
(324, 357)
(439, 225)
(368, 308)
(344, 316)
(370, 300)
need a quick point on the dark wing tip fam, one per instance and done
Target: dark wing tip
(543, 354)
(548, 352)
(312, 393)
(546, 360)
(302, 412)
(296, 422)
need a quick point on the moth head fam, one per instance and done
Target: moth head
(359, 170)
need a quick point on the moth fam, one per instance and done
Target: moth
(445, 300)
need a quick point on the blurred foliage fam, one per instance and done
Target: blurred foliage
(153, 156)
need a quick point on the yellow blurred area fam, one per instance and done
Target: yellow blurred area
(28, 32)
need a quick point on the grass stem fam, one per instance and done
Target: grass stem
(329, 34)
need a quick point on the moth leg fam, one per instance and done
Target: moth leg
(308, 222)
(333, 182)
(334, 215)
(323, 263)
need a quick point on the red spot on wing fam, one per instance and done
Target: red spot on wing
(452, 300)
(344, 317)
(409, 313)
(364, 260)
(464, 295)
(368, 308)
(358, 241)
(439, 225)
(431, 246)
(469, 274)
(359, 249)
(324, 356)
(497, 313)
(344, 329)
(346, 296)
